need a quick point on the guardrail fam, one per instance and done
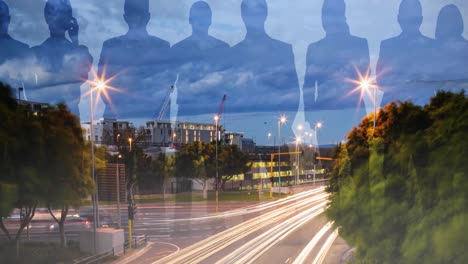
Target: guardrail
(136, 243)
(95, 258)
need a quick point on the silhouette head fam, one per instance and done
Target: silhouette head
(4, 18)
(410, 15)
(200, 16)
(254, 13)
(137, 13)
(334, 17)
(449, 23)
(58, 15)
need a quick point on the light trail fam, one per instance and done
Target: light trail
(324, 250)
(249, 209)
(255, 248)
(210, 246)
(311, 245)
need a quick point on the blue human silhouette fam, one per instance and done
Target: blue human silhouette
(405, 62)
(10, 48)
(331, 64)
(333, 61)
(65, 64)
(139, 63)
(197, 59)
(452, 49)
(260, 71)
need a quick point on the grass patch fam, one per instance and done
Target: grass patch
(223, 196)
(38, 252)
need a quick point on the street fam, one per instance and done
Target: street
(290, 230)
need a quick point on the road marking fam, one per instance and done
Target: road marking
(170, 244)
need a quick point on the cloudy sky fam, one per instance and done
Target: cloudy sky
(297, 22)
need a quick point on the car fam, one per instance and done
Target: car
(106, 218)
(72, 224)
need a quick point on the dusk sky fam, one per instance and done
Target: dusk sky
(296, 22)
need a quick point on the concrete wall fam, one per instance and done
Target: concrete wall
(106, 239)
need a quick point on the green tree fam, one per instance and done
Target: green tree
(197, 161)
(8, 109)
(399, 192)
(67, 182)
(232, 162)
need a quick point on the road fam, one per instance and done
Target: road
(290, 230)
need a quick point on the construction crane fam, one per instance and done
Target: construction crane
(220, 110)
(221, 107)
(166, 102)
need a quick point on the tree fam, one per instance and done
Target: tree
(67, 182)
(8, 190)
(43, 161)
(398, 193)
(197, 161)
(232, 161)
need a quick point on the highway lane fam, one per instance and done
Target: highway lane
(282, 231)
(280, 217)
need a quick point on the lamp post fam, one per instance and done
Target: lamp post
(119, 156)
(129, 194)
(20, 90)
(300, 127)
(216, 119)
(317, 126)
(100, 86)
(366, 84)
(282, 120)
(298, 141)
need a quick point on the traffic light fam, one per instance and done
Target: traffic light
(132, 210)
(316, 156)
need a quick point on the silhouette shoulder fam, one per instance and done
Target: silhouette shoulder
(219, 43)
(278, 44)
(124, 39)
(159, 42)
(387, 43)
(20, 44)
(359, 41)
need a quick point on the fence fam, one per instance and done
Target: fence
(136, 243)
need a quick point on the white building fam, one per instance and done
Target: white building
(164, 133)
(104, 130)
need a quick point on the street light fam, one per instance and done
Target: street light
(100, 86)
(119, 156)
(366, 84)
(130, 140)
(216, 119)
(317, 126)
(282, 120)
(298, 141)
